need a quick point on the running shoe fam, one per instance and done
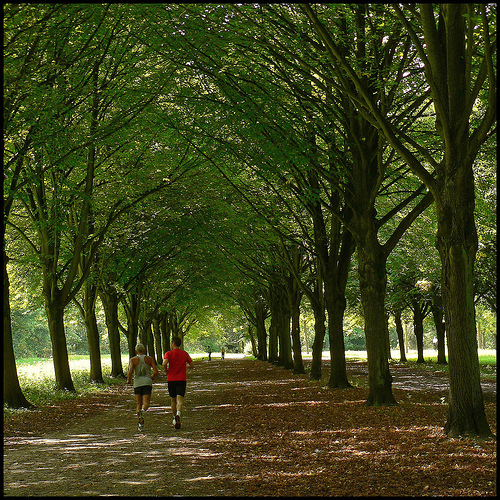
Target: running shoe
(177, 422)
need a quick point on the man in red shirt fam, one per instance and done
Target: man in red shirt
(174, 363)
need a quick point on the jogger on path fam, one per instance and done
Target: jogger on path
(140, 366)
(174, 363)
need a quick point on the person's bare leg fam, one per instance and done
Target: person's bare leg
(180, 401)
(146, 401)
(173, 405)
(138, 400)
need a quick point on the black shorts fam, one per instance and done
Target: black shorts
(177, 388)
(143, 389)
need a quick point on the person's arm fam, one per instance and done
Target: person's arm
(165, 364)
(130, 371)
(190, 362)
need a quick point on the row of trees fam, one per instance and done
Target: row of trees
(172, 158)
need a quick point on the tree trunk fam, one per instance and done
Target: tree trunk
(280, 328)
(12, 394)
(165, 333)
(260, 318)
(157, 340)
(338, 367)
(457, 246)
(273, 335)
(285, 342)
(294, 297)
(54, 307)
(317, 347)
(418, 330)
(132, 311)
(252, 340)
(110, 301)
(147, 338)
(89, 298)
(335, 283)
(401, 338)
(373, 282)
(437, 314)
(298, 364)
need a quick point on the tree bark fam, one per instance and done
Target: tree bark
(260, 310)
(157, 340)
(418, 329)
(373, 282)
(89, 299)
(401, 338)
(54, 308)
(280, 328)
(110, 300)
(294, 296)
(457, 246)
(12, 394)
(319, 337)
(437, 313)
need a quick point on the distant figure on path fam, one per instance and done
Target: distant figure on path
(140, 366)
(222, 353)
(209, 353)
(174, 363)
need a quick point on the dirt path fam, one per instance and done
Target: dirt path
(251, 428)
(105, 454)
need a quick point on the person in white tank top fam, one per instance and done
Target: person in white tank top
(140, 367)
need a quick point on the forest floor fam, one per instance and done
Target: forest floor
(250, 428)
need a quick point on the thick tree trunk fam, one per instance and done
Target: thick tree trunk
(273, 331)
(338, 367)
(89, 298)
(252, 340)
(12, 394)
(54, 307)
(285, 351)
(335, 282)
(294, 298)
(372, 279)
(260, 318)
(110, 301)
(457, 246)
(280, 328)
(317, 347)
(298, 363)
(401, 338)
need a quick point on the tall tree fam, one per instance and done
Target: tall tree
(456, 46)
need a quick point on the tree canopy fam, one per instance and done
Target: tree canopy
(184, 161)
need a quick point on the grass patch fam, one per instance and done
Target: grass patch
(37, 380)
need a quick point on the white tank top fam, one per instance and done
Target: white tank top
(142, 372)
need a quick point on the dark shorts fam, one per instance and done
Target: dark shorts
(177, 388)
(143, 389)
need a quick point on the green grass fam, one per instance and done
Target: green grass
(37, 380)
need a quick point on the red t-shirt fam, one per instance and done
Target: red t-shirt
(177, 359)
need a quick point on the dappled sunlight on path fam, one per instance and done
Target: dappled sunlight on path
(251, 428)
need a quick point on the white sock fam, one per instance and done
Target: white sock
(179, 412)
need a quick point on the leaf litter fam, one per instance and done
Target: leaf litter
(251, 428)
